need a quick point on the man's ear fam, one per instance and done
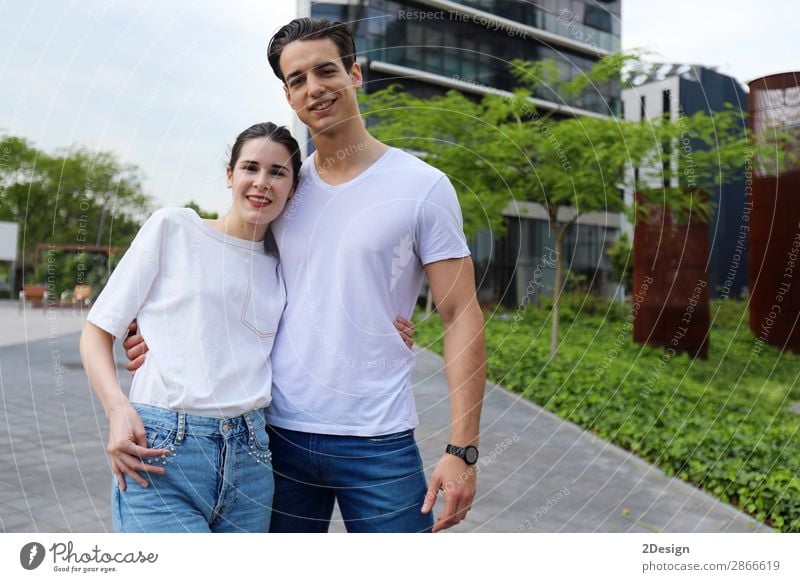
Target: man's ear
(356, 76)
(288, 95)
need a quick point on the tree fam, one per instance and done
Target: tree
(76, 197)
(200, 212)
(620, 255)
(502, 149)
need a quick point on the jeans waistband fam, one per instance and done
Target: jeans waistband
(196, 425)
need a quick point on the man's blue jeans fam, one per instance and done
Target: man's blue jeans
(378, 482)
(218, 477)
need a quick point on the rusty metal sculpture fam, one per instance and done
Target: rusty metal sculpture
(670, 281)
(774, 271)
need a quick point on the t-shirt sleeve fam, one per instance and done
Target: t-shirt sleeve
(131, 281)
(440, 227)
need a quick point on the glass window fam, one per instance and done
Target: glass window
(330, 11)
(598, 18)
(434, 54)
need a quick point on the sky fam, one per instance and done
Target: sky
(168, 85)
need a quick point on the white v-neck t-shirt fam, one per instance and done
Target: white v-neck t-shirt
(208, 305)
(352, 257)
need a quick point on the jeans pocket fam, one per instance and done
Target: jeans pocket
(259, 445)
(159, 437)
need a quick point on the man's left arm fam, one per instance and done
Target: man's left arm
(452, 284)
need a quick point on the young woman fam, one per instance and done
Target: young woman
(208, 296)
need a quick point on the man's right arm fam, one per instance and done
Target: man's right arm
(136, 348)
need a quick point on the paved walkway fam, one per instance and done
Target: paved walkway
(538, 473)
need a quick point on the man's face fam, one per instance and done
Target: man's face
(319, 89)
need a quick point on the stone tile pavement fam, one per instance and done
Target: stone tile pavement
(538, 473)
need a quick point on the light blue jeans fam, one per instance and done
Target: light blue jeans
(218, 477)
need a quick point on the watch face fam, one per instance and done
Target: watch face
(471, 455)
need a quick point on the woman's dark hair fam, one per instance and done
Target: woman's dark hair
(281, 135)
(312, 29)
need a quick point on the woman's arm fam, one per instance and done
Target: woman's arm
(127, 443)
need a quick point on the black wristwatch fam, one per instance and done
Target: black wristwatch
(469, 453)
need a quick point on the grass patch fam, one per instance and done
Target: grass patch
(722, 424)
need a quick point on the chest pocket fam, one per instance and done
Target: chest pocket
(263, 307)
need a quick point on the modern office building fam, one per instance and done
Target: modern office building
(684, 90)
(432, 46)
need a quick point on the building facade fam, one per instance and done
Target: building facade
(432, 46)
(684, 90)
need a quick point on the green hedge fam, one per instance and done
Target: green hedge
(722, 424)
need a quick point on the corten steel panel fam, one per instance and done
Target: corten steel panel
(774, 270)
(670, 279)
(774, 259)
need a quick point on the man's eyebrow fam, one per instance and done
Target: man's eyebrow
(317, 66)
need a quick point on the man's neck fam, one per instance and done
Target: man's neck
(343, 155)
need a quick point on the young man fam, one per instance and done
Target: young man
(367, 222)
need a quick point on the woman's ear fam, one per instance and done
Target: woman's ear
(229, 177)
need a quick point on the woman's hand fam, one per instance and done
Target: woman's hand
(127, 446)
(406, 329)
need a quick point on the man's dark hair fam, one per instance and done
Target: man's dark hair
(312, 29)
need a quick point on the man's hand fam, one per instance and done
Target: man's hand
(127, 446)
(135, 348)
(406, 329)
(457, 479)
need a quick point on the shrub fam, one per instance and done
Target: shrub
(722, 424)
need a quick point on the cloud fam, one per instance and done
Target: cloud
(167, 86)
(742, 38)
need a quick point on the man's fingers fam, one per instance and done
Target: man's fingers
(134, 365)
(430, 496)
(134, 347)
(406, 329)
(449, 516)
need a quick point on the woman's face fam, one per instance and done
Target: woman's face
(260, 181)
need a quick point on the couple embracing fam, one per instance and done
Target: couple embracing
(274, 381)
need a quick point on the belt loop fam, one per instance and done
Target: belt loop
(181, 428)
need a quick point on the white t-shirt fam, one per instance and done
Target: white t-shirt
(352, 257)
(208, 305)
